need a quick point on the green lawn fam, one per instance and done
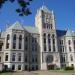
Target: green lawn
(6, 73)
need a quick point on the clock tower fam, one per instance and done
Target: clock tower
(45, 22)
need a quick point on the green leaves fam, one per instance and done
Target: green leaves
(18, 10)
(23, 10)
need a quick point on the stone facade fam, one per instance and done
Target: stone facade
(41, 47)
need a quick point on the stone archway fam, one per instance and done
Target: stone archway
(49, 61)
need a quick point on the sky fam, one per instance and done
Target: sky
(64, 11)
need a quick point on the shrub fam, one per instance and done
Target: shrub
(57, 68)
(68, 68)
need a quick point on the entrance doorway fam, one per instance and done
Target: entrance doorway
(5, 67)
(50, 67)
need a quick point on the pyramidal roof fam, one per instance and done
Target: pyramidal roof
(17, 26)
(70, 33)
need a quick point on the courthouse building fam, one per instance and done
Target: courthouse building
(41, 47)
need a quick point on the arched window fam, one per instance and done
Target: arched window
(14, 41)
(20, 37)
(49, 38)
(20, 41)
(53, 38)
(7, 43)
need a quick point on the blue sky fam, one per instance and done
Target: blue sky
(64, 11)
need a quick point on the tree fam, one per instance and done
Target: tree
(23, 10)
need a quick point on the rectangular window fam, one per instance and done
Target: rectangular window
(13, 56)
(13, 67)
(19, 57)
(6, 57)
(19, 67)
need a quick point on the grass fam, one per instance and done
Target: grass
(56, 71)
(6, 73)
(63, 71)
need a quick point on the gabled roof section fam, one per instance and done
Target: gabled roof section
(61, 32)
(16, 26)
(31, 29)
(70, 33)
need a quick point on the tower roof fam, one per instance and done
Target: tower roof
(45, 9)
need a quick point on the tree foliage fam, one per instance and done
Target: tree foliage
(23, 10)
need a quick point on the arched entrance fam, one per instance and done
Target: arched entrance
(49, 61)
